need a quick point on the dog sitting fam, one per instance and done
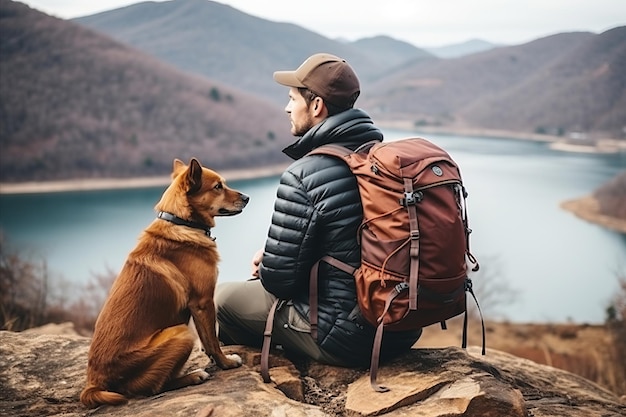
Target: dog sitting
(142, 339)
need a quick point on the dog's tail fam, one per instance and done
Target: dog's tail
(92, 397)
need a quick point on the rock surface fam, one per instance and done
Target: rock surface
(43, 374)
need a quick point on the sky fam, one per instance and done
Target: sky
(424, 23)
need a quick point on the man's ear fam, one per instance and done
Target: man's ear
(318, 106)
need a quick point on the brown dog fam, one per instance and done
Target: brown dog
(142, 339)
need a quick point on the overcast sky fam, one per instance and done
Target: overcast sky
(424, 23)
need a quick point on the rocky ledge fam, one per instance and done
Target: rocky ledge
(43, 374)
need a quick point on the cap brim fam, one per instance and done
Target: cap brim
(288, 78)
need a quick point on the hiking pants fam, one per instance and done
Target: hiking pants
(242, 310)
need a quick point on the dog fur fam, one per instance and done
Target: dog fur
(142, 337)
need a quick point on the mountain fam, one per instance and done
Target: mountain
(584, 89)
(440, 89)
(557, 84)
(391, 51)
(122, 93)
(457, 50)
(77, 104)
(225, 44)
(561, 83)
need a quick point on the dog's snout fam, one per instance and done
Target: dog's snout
(244, 199)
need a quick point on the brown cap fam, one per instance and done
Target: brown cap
(328, 76)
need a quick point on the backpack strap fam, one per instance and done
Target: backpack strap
(332, 149)
(462, 197)
(409, 201)
(339, 264)
(269, 324)
(340, 150)
(313, 279)
(469, 288)
(378, 338)
(313, 298)
(267, 338)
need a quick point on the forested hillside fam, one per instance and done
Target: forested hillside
(571, 82)
(193, 78)
(77, 104)
(612, 197)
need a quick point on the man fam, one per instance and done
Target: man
(317, 212)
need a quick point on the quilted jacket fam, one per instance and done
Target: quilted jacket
(317, 212)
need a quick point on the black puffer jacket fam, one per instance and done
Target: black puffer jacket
(317, 212)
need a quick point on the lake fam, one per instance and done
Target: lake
(547, 264)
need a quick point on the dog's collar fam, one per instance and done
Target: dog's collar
(182, 222)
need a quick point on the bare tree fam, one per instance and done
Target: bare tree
(31, 296)
(22, 290)
(491, 288)
(616, 323)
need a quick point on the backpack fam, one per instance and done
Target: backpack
(414, 241)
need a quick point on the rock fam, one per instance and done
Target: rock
(42, 375)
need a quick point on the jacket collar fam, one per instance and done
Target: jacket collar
(350, 128)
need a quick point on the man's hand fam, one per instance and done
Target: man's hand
(256, 260)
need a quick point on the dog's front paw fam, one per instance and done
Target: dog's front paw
(230, 361)
(198, 376)
(235, 358)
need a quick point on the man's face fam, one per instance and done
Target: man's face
(299, 113)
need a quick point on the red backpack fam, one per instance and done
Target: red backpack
(414, 240)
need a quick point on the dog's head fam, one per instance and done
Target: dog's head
(199, 194)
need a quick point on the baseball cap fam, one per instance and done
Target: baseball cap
(328, 76)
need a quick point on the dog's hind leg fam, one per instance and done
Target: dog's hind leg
(195, 377)
(165, 356)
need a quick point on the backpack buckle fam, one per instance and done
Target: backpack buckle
(401, 287)
(411, 198)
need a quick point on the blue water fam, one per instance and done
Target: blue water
(539, 263)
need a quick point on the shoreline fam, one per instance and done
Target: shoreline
(587, 208)
(98, 184)
(481, 133)
(558, 143)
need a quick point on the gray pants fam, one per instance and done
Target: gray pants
(242, 310)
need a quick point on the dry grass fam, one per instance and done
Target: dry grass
(591, 351)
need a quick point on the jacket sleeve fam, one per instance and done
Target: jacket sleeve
(290, 245)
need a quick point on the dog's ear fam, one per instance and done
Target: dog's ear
(194, 176)
(178, 167)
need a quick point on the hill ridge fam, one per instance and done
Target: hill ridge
(77, 104)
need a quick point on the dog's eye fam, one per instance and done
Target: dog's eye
(219, 186)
